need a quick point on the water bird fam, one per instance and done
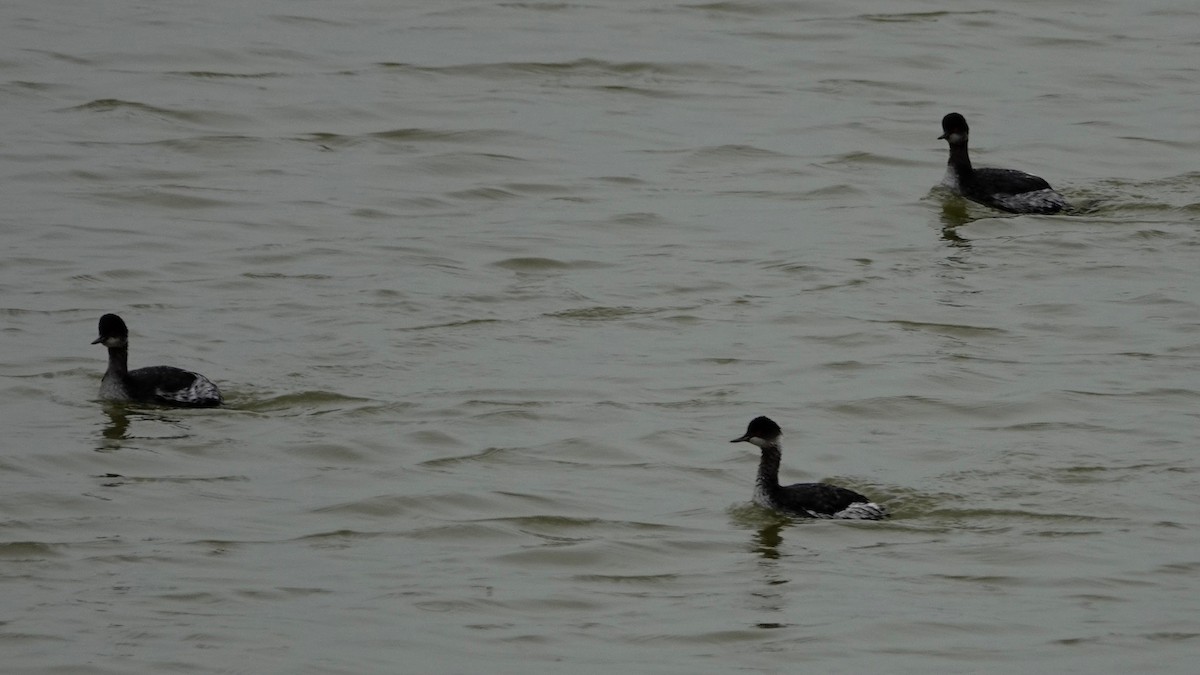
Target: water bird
(806, 500)
(164, 385)
(1004, 189)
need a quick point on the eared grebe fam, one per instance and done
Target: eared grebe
(165, 385)
(807, 500)
(1005, 189)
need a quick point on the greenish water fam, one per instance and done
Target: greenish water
(489, 287)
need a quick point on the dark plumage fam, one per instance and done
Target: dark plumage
(807, 500)
(1005, 189)
(164, 385)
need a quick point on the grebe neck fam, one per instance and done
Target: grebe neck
(768, 468)
(959, 160)
(118, 361)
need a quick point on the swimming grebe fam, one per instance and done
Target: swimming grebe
(1005, 189)
(807, 500)
(164, 385)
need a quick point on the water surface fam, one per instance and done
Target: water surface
(489, 286)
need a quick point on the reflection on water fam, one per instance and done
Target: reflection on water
(767, 540)
(769, 597)
(952, 238)
(116, 431)
(955, 213)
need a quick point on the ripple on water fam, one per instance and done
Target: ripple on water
(467, 164)
(603, 313)
(151, 112)
(493, 302)
(27, 551)
(531, 264)
(314, 397)
(578, 68)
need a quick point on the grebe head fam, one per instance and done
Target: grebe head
(761, 432)
(113, 332)
(954, 128)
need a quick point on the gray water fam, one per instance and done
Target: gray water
(489, 287)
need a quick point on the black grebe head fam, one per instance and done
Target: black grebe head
(113, 332)
(954, 128)
(761, 431)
